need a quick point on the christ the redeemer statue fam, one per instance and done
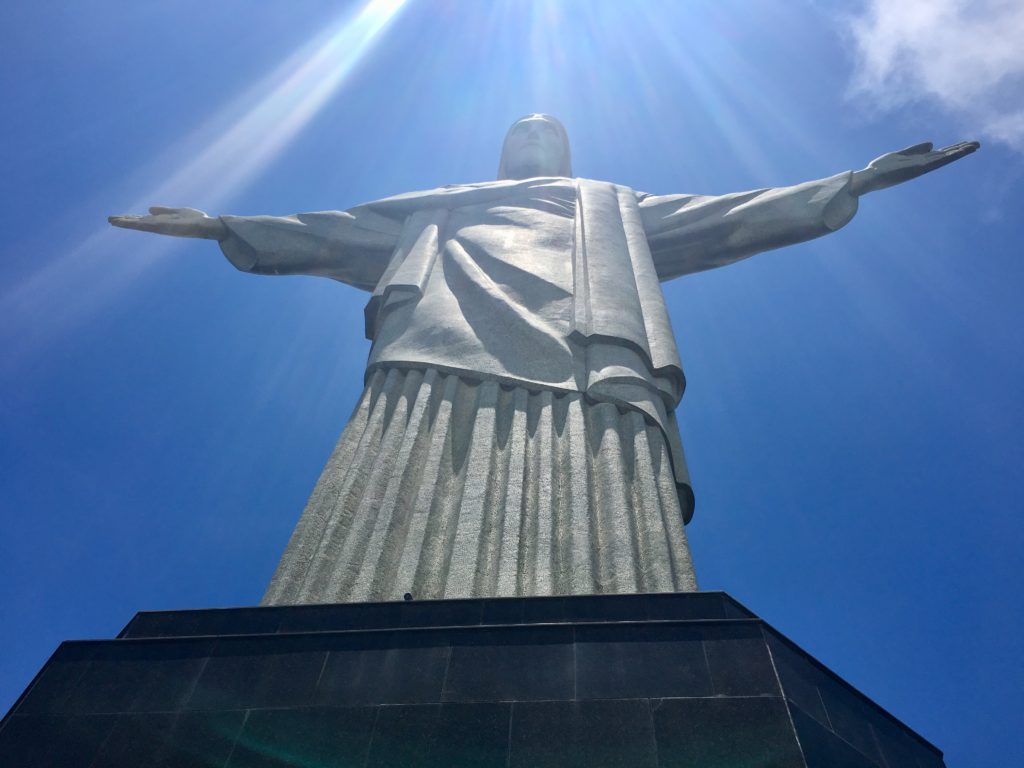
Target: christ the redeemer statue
(517, 432)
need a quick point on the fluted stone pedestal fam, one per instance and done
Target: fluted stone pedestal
(691, 679)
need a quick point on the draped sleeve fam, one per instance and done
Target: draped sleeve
(353, 247)
(692, 233)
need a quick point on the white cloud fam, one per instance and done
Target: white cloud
(966, 56)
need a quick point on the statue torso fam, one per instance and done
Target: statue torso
(498, 297)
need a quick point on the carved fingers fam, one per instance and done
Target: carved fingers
(132, 221)
(158, 210)
(947, 155)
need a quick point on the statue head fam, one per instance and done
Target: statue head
(535, 145)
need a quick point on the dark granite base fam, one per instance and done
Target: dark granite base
(690, 680)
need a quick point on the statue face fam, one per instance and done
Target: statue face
(534, 148)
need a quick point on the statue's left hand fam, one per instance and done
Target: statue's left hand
(178, 222)
(897, 167)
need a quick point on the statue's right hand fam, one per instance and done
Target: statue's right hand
(179, 222)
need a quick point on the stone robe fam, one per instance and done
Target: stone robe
(517, 434)
(545, 283)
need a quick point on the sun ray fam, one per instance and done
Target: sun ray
(214, 162)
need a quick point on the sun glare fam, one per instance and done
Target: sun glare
(213, 162)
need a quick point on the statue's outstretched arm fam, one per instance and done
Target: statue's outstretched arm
(352, 247)
(692, 233)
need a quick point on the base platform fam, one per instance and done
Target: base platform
(639, 681)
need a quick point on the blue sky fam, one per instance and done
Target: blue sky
(853, 417)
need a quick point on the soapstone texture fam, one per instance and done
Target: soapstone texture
(444, 487)
(517, 433)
